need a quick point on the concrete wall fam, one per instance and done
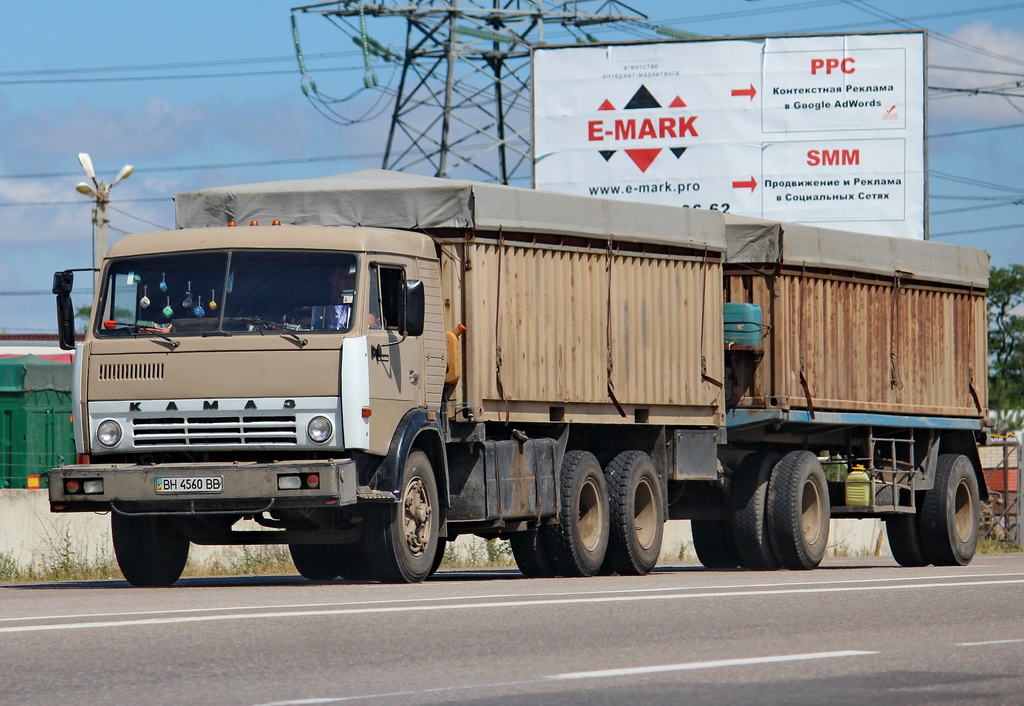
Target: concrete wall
(30, 534)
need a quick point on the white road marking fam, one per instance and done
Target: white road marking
(599, 674)
(492, 596)
(989, 642)
(709, 664)
(487, 604)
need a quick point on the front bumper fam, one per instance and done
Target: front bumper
(246, 488)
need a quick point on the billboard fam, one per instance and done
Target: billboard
(826, 130)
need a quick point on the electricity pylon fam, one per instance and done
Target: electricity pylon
(463, 94)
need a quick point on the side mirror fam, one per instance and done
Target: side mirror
(411, 314)
(62, 285)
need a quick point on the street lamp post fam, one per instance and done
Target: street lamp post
(100, 193)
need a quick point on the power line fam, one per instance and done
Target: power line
(177, 65)
(973, 182)
(167, 77)
(942, 67)
(79, 202)
(143, 220)
(220, 165)
(930, 16)
(973, 131)
(989, 229)
(979, 207)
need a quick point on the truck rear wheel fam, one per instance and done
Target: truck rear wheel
(905, 540)
(715, 544)
(749, 514)
(798, 510)
(151, 551)
(577, 544)
(531, 554)
(313, 561)
(637, 511)
(401, 539)
(951, 513)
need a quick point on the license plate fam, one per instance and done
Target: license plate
(190, 484)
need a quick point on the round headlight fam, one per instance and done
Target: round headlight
(319, 429)
(109, 433)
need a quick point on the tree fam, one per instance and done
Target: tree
(82, 314)
(1006, 338)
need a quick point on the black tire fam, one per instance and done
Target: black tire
(350, 560)
(714, 543)
(798, 511)
(637, 514)
(531, 554)
(951, 513)
(313, 561)
(905, 540)
(401, 538)
(577, 544)
(749, 514)
(150, 550)
(442, 544)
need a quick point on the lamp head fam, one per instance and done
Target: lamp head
(126, 171)
(84, 188)
(86, 161)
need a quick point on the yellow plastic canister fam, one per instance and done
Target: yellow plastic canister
(858, 487)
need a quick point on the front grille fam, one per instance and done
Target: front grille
(222, 430)
(131, 371)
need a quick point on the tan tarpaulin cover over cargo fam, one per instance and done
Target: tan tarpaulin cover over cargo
(385, 199)
(856, 322)
(571, 303)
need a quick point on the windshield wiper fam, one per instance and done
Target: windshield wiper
(252, 321)
(148, 330)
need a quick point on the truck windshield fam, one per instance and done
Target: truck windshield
(238, 291)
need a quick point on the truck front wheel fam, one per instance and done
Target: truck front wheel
(151, 551)
(401, 539)
(313, 561)
(950, 513)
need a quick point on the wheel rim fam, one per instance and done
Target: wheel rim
(417, 516)
(810, 512)
(645, 514)
(591, 518)
(963, 511)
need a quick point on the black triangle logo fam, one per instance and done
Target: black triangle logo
(642, 99)
(607, 154)
(677, 151)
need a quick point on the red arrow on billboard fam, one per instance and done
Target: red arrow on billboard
(745, 92)
(752, 184)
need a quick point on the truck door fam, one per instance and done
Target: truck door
(396, 368)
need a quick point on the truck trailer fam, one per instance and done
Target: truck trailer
(369, 365)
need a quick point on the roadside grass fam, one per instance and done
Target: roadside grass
(62, 561)
(987, 545)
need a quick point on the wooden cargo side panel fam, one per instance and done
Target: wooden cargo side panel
(866, 344)
(551, 323)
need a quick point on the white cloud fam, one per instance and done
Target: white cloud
(976, 108)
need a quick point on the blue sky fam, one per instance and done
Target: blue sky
(197, 94)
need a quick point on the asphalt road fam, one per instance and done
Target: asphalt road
(856, 631)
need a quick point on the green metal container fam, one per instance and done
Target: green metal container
(36, 433)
